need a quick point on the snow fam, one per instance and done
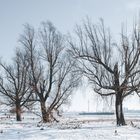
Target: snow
(70, 127)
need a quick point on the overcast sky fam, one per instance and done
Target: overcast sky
(63, 13)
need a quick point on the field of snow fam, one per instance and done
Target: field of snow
(70, 127)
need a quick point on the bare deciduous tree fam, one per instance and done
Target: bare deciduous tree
(48, 72)
(14, 83)
(111, 70)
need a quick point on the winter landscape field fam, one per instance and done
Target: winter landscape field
(70, 70)
(71, 127)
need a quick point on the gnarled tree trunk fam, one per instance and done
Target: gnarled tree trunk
(45, 115)
(119, 109)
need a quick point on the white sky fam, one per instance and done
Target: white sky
(64, 14)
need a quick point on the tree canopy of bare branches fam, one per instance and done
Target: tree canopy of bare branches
(112, 69)
(51, 76)
(14, 83)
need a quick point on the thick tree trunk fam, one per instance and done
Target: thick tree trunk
(119, 99)
(119, 110)
(45, 115)
(18, 112)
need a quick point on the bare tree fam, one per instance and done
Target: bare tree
(14, 83)
(111, 70)
(52, 42)
(47, 69)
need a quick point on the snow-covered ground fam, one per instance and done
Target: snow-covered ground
(70, 127)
